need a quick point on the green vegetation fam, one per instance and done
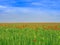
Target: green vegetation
(28, 36)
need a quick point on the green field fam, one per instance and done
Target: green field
(28, 36)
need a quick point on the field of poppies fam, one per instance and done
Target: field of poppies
(30, 34)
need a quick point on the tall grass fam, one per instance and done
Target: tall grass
(29, 36)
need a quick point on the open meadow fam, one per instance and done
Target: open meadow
(29, 33)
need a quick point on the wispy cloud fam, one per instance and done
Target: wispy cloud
(36, 3)
(47, 4)
(25, 14)
(29, 10)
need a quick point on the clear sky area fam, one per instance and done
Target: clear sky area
(29, 10)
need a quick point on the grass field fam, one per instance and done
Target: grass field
(30, 34)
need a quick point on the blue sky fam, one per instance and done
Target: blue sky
(29, 10)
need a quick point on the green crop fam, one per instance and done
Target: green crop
(28, 36)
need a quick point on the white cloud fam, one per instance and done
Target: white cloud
(2, 6)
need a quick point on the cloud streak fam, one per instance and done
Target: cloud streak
(25, 14)
(29, 10)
